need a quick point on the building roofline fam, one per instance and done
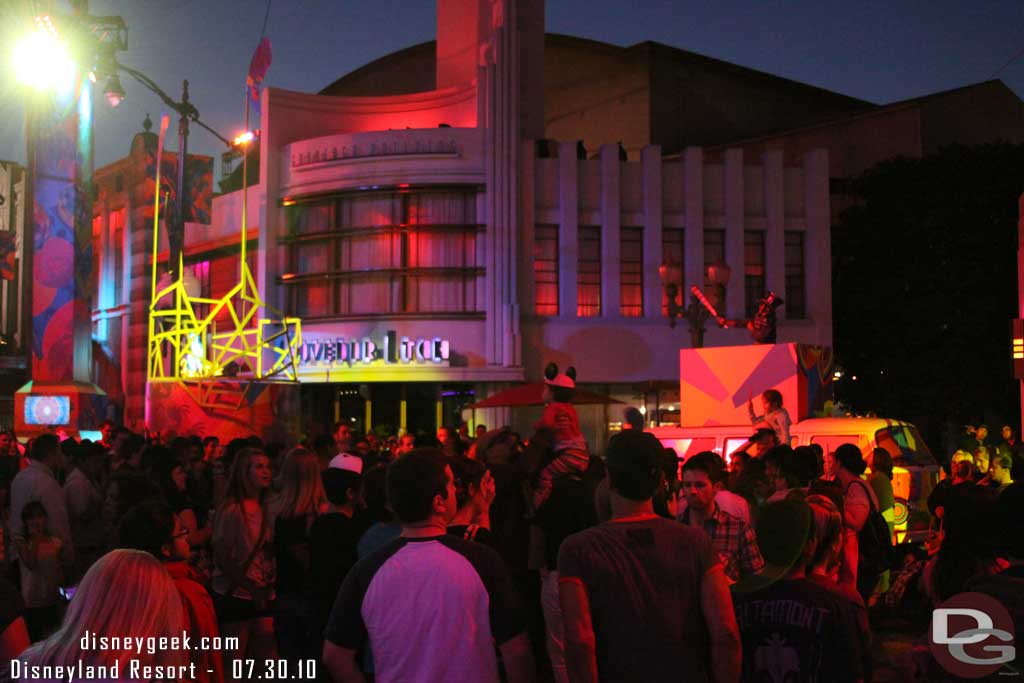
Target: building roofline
(746, 70)
(879, 110)
(944, 93)
(603, 46)
(376, 63)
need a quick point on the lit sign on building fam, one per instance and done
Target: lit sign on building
(374, 149)
(391, 349)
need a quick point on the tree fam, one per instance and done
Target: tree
(925, 286)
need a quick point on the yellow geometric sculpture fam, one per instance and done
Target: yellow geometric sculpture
(216, 367)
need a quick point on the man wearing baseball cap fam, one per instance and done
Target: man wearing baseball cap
(644, 598)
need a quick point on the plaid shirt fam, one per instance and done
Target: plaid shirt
(734, 542)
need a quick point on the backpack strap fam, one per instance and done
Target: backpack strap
(871, 501)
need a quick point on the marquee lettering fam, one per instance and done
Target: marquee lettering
(389, 350)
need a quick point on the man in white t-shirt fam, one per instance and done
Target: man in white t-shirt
(431, 606)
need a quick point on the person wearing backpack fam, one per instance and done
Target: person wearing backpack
(867, 544)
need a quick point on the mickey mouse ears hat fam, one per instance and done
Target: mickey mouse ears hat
(565, 380)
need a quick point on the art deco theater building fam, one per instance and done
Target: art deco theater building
(451, 217)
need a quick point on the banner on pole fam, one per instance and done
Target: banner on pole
(258, 67)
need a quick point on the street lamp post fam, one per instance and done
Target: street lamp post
(59, 208)
(696, 314)
(186, 113)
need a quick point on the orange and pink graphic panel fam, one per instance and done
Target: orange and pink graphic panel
(716, 383)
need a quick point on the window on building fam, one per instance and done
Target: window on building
(385, 253)
(714, 250)
(631, 266)
(796, 276)
(753, 270)
(545, 269)
(673, 251)
(117, 253)
(588, 275)
(97, 263)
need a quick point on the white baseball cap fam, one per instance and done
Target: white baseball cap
(346, 461)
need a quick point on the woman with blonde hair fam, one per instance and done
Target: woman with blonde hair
(125, 596)
(244, 568)
(302, 499)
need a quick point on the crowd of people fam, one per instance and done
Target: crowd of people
(443, 557)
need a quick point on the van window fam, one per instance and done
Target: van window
(905, 445)
(684, 448)
(733, 444)
(830, 442)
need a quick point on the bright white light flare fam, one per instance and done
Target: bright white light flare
(42, 62)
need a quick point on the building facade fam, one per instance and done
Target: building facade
(440, 245)
(437, 252)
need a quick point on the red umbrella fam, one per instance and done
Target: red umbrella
(532, 395)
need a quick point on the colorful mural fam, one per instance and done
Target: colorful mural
(62, 264)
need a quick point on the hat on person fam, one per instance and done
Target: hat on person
(850, 457)
(783, 528)
(632, 449)
(564, 380)
(345, 461)
(762, 431)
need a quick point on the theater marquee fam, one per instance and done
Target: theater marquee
(388, 349)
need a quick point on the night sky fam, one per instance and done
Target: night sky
(880, 51)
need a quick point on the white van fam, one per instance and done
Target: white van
(915, 471)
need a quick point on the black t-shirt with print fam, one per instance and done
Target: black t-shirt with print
(799, 631)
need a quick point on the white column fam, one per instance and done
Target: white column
(502, 147)
(775, 214)
(611, 218)
(650, 159)
(818, 258)
(693, 197)
(568, 245)
(734, 224)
